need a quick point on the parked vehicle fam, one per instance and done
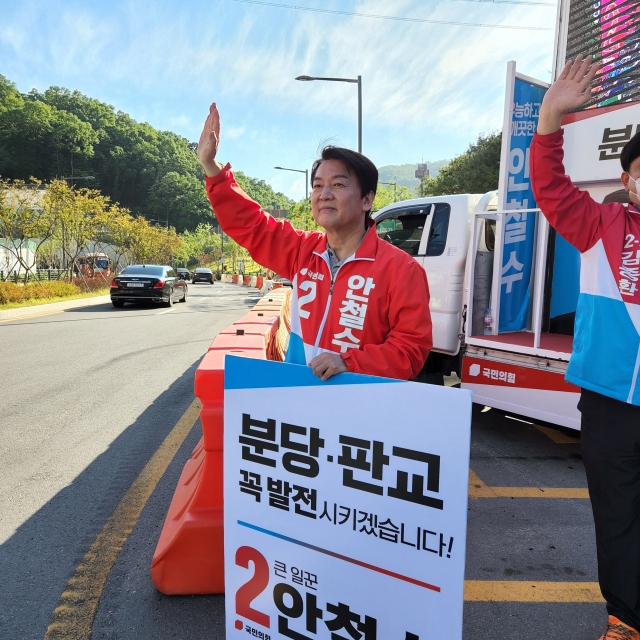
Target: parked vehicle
(455, 239)
(183, 274)
(504, 285)
(148, 283)
(202, 275)
(93, 264)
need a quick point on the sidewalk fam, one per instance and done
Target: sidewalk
(51, 307)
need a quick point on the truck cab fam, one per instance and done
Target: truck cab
(436, 232)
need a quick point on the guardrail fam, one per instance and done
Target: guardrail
(42, 274)
(189, 557)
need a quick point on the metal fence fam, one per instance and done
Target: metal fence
(42, 274)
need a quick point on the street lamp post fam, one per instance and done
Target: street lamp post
(306, 178)
(306, 189)
(357, 81)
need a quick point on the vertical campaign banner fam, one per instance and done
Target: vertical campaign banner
(522, 109)
(345, 505)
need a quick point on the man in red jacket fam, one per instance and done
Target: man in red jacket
(359, 304)
(606, 346)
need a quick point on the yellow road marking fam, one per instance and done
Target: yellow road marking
(478, 489)
(77, 607)
(521, 591)
(557, 436)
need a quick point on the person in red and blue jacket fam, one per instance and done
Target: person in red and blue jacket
(359, 304)
(606, 350)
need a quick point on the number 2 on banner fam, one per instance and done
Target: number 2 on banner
(307, 285)
(250, 590)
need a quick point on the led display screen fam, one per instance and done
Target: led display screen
(610, 31)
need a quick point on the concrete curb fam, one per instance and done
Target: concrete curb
(44, 309)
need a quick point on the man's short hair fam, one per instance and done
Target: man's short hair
(364, 170)
(630, 152)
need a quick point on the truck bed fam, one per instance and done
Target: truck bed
(549, 341)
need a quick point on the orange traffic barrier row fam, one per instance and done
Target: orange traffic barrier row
(189, 558)
(247, 279)
(234, 279)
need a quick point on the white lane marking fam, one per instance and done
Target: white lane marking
(162, 312)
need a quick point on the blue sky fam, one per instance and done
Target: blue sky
(428, 90)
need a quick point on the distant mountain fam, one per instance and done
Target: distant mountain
(405, 173)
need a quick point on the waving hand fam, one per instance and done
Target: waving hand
(209, 141)
(570, 91)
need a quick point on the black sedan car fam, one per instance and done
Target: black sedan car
(148, 283)
(202, 275)
(183, 274)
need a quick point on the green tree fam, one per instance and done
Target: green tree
(180, 199)
(388, 195)
(198, 243)
(262, 192)
(475, 171)
(301, 218)
(25, 219)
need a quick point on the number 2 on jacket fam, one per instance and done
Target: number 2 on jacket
(310, 286)
(250, 590)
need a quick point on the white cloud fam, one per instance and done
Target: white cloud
(180, 121)
(421, 75)
(234, 132)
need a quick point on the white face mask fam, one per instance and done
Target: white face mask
(635, 184)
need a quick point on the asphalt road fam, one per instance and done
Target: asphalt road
(92, 394)
(88, 395)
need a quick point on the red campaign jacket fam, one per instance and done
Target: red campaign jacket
(606, 343)
(377, 315)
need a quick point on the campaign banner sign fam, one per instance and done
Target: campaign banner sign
(524, 97)
(593, 142)
(345, 505)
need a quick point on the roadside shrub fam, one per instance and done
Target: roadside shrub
(94, 284)
(11, 292)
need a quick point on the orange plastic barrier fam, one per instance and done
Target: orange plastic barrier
(189, 558)
(247, 279)
(259, 282)
(264, 333)
(234, 279)
(233, 341)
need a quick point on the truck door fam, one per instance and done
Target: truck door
(443, 259)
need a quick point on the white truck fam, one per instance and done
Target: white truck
(458, 240)
(472, 247)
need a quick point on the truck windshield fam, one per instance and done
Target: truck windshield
(404, 230)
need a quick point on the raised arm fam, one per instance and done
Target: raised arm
(570, 91)
(275, 245)
(571, 212)
(208, 143)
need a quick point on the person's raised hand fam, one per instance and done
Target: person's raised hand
(570, 91)
(208, 144)
(328, 364)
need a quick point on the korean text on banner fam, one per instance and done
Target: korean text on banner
(520, 227)
(345, 505)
